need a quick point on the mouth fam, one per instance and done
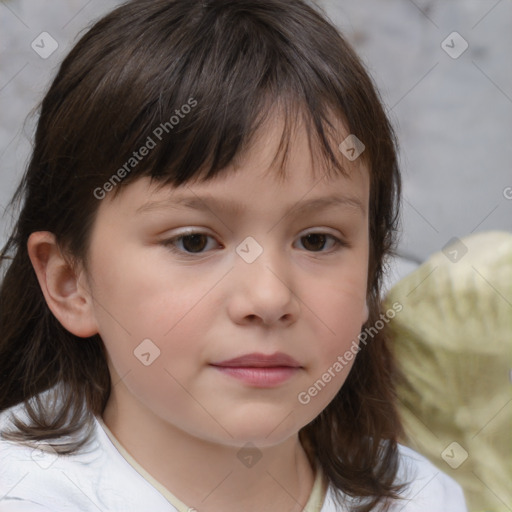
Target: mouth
(260, 370)
(257, 360)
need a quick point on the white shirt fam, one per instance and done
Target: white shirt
(105, 478)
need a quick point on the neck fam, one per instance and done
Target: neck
(209, 476)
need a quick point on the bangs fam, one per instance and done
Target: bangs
(195, 161)
(202, 79)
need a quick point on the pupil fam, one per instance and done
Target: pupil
(193, 247)
(315, 237)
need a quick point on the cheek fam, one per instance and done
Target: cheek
(150, 309)
(142, 294)
(339, 303)
(121, 296)
(153, 325)
(341, 320)
(337, 313)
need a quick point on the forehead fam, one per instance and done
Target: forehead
(282, 164)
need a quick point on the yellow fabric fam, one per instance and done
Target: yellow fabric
(314, 504)
(453, 341)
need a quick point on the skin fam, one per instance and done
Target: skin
(180, 418)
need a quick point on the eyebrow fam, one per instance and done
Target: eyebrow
(209, 203)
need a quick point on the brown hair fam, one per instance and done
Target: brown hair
(128, 75)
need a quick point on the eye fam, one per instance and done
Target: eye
(316, 241)
(193, 242)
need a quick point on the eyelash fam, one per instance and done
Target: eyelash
(170, 243)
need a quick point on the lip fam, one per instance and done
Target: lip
(260, 370)
(257, 360)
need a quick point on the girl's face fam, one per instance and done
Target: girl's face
(249, 281)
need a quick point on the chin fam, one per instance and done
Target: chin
(263, 430)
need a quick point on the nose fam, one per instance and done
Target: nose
(263, 288)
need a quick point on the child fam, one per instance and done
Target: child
(252, 373)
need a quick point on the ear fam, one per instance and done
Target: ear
(70, 303)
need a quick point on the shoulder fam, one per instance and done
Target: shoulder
(427, 488)
(97, 477)
(33, 476)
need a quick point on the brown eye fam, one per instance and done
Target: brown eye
(191, 244)
(314, 241)
(194, 243)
